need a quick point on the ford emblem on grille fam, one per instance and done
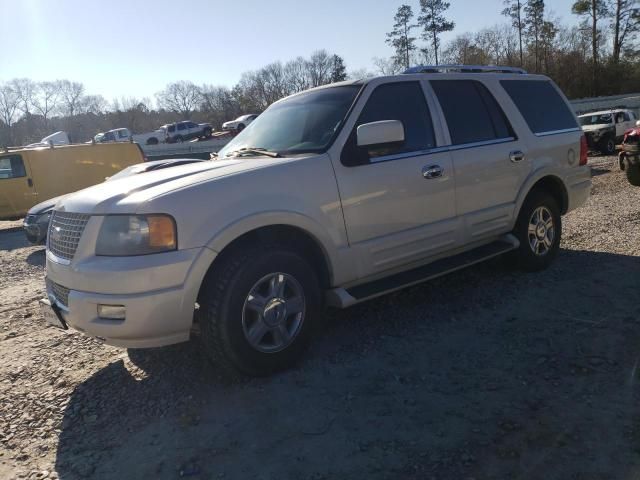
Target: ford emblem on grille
(55, 234)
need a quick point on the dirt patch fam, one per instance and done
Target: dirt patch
(488, 373)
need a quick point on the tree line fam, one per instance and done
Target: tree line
(599, 56)
(31, 110)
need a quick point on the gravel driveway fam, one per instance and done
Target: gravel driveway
(488, 373)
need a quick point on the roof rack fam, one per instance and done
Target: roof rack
(463, 69)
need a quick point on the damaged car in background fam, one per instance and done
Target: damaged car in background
(604, 128)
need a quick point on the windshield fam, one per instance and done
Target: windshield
(305, 122)
(595, 119)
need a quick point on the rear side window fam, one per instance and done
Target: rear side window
(402, 101)
(542, 107)
(171, 129)
(12, 167)
(471, 112)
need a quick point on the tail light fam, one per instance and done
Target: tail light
(583, 150)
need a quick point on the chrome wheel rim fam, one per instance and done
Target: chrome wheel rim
(541, 231)
(273, 312)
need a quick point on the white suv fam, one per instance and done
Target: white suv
(333, 196)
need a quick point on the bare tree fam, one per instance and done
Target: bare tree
(400, 37)
(626, 23)
(387, 66)
(71, 96)
(95, 104)
(319, 67)
(182, 97)
(46, 100)
(360, 74)
(297, 74)
(25, 89)
(434, 23)
(9, 101)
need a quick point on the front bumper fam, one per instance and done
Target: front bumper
(157, 291)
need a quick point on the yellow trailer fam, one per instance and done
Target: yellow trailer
(29, 176)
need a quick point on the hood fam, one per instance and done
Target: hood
(44, 206)
(129, 194)
(597, 126)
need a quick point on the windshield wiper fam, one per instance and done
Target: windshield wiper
(253, 151)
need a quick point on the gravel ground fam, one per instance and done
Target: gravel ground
(488, 373)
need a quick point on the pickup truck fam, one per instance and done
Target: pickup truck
(187, 130)
(125, 135)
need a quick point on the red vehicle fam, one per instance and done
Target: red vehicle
(630, 155)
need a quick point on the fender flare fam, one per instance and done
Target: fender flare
(226, 235)
(530, 182)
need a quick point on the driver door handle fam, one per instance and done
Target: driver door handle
(516, 156)
(432, 171)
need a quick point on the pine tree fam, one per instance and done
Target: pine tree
(399, 38)
(514, 12)
(338, 70)
(433, 22)
(534, 20)
(595, 10)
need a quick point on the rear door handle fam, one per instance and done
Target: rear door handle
(432, 171)
(516, 156)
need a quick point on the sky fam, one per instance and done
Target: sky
(134, 48)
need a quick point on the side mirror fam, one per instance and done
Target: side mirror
(377, 133)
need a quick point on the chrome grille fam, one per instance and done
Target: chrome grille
(65, 230)
(59, 292)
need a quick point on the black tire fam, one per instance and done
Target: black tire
(525, 257)
(178, 139)
(152, 141)
(222, 303)
(240, 127)
(632, 171)
(608, 146)
(207, 132)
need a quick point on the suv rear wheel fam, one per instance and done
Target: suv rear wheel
(538, 228)
(258, 309)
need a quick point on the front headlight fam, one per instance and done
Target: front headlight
(124, 235)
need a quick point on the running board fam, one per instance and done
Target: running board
(341, 297)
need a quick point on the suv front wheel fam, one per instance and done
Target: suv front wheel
(538, 228)
(258, 309)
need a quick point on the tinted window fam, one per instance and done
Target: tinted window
(12, 167)
(472, 114)
(182, 126)
(626, 116)
(393, 101)
(171, 128)
(540, 104)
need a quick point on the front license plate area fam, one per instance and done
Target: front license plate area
(51, 316)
